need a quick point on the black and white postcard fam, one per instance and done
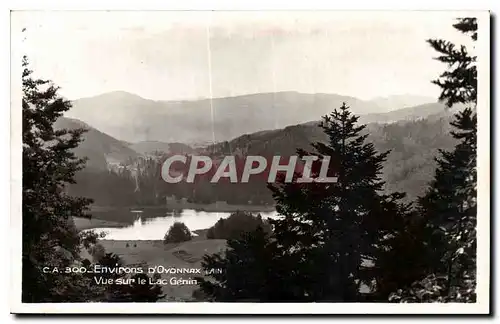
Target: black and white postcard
(250, 162)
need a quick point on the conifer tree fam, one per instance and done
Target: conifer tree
(49, 164)
(449, 205)
(329, 235)
(51, 243)
(402, 254)
(332, 229)
(250, 271)
(459, 83)
(332, 238)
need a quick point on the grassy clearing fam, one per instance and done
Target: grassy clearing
(154, 253)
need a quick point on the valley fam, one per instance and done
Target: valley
(124, 173)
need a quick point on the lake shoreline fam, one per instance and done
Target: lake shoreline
(135, 248)
(150, 224)
(220, 208)
(154, 253)
(83, 224)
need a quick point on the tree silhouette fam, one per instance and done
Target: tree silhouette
(250, 270)
(322, 244)
(332, 229)
(177, 233)
(449, 206)
(49, 165)
(459, 83)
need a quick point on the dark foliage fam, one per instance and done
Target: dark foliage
(329, 233)
(177, 233)
(335, 231)
(449, 206)
(134, 287)
(51, 243)
(459, 82)
(49, 165)
(235, 225)
(252, 271)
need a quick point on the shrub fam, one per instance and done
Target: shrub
(177, 233)
(97, 252)
(237, 224)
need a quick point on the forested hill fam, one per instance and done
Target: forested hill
(409, 168)
(413, 145)
(284, 141)
(100, 148)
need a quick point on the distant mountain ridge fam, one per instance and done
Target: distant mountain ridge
(401, 101)
(131, 118)
(409, 113)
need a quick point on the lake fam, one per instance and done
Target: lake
(152, 225)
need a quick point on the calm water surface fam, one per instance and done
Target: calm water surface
(148, 227)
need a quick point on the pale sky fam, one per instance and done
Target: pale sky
(187, 55)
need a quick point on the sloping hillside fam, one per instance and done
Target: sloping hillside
(99, 147)
(394, 102)
(413, 145)
(409, 113)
